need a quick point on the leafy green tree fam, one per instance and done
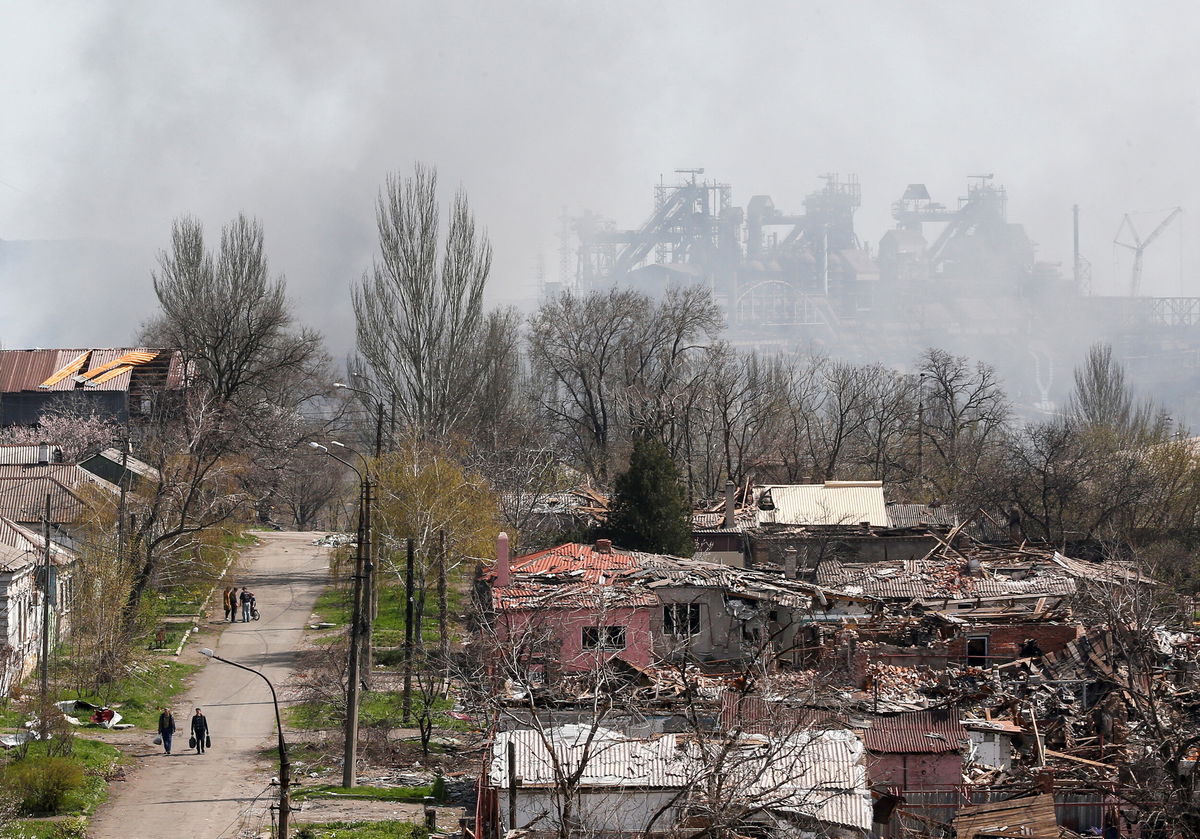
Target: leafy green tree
(649, 509)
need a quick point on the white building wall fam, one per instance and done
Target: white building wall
(624, 810)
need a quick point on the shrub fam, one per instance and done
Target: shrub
(40, 785)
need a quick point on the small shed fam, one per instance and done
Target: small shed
(916, 750)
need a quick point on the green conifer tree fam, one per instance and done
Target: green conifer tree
(649, 510)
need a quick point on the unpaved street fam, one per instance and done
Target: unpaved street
(220, 793)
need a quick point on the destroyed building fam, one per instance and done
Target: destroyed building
(973, 675)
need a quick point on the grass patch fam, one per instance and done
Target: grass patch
(361, 830)
(375, 708)
(141, 694)
(409, 795)
(334, 606)
(74, 827)
(97, 761)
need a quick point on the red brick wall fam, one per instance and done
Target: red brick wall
(1004, 642)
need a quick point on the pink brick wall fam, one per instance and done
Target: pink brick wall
(565, 628)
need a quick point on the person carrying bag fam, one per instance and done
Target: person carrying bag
(199, 739)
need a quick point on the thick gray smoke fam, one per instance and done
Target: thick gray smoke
(117, 117)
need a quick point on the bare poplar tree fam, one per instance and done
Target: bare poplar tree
(419, 311)
(232, 321)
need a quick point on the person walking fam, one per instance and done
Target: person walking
(166, 728)
(200, 731)
(247, 600)
(225, 602)
(231, 601)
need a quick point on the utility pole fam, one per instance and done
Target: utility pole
(443, 623)
(47, 593)
(368, 571)
(408, 630)
(350, 752)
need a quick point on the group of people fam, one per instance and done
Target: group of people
(199, 729)
(233, 598)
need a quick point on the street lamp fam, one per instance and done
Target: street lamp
(378, 412)
(285, 767)
(361, 563)
(369, 607)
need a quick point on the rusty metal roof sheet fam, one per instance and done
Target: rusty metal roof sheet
(65, 370)
(830, 503)
(927, 732)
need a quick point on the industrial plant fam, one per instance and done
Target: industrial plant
(958, 275)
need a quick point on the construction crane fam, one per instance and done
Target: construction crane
(1139, 245)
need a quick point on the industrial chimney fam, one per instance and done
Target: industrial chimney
(503, 573)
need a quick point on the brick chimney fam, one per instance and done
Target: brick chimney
(503, 572)
(730, 490)
(43, 454)
(603, 546)
(790, 565)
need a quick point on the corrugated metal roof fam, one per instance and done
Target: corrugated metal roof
(921, 515)
(25, 455)
(820, 774)
(25, 500)
(830, 503)
(743, 521)
(41, 370)
(21, 546)
(924, 732)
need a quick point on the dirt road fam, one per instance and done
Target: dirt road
(224, 793)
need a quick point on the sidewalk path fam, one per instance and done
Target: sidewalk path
(212, 795)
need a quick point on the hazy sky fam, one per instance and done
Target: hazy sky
(117, 117)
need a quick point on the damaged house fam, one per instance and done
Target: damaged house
(602, 782)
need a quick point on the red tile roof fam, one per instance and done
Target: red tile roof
(930, 732)
(583, 561)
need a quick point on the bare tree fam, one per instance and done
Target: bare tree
(611, 364)
(230, 319)
(419, 311)
(965, 417)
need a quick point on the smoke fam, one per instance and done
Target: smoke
(119, 117)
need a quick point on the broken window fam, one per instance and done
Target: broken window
(977, 652)
(681, 619)
(604, 637)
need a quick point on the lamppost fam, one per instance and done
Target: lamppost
(361, 563)
(378, 412)
(370, 582)
(285, 766)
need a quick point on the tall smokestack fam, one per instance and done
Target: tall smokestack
(503, 572)
(730, 489)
